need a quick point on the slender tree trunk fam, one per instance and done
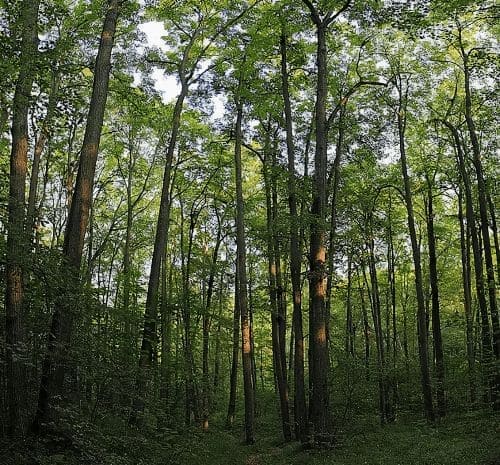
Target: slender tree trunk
(386, 414)
(300, 408)
(366, 328)
(166, 330)
(216, 381)
(233, 380)
(483, 214)
(469, 317)
(423, 351)
(436, 317)
(15, 268)
(53, 368)
(349, 339)
(334, 180)
(246, 342)
(162, 226)
(274, 300)
(39, 147)
(280, 298)
(486, 343)
(207, 318)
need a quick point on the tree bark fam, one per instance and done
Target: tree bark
(37, 153)
(300, 408)
(15, 269)
(233, 380)
(486, 342)
(423, 351)
(466, 279)
(53, 368)
(435, 309)
(274, 298)
(483, 210)
(246, 344)
(207, 319)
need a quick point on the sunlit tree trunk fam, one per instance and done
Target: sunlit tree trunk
(15, 267)
(54, 365)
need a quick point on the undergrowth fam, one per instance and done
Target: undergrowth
(461, 439)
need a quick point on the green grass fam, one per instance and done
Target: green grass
(465, 439)
(470, 439)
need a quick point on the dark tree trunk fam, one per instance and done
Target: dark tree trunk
(300, 409)
(366, 327)
(349, 337)
(436, 317)
(483, 213)
(320, 416)
(246, 339)
(207, 319)
(233, 380)
(15, 334)
(466, 279)
(386, 413)
(162, 226)
(279, 371)
(37, 153)
(486, 343)
(423, 350)
(54, 365)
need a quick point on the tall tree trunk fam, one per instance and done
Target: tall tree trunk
(386, 414)
(274, 299)
(483, 212)
(233, 380)
(37, 153)
(486, 342)
(246, 342)
(366, 326)
(466, 279)
(320, 416)
(333, 187)
(15, 333)
(207, 319)
(162, 226)
(280, 294)
(349, 338)
(53, 368)
(423, 351)
(300, 408)
(166, 330)
(436, 317)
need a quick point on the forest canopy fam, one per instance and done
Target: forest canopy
(271, 221)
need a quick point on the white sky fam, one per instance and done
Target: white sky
(167, 85)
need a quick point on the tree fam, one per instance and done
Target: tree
(319, 411)
(54, 368)
(17, 239)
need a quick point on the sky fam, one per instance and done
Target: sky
(168, 85)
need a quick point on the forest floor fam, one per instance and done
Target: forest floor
(461, 439)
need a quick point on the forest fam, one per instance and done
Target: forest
(256, 232)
